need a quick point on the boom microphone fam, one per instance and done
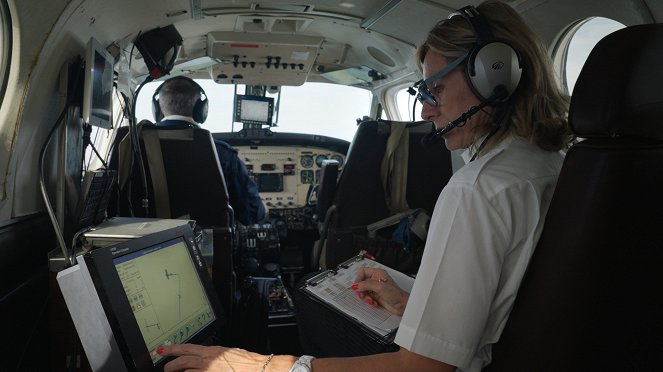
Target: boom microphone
(499, 93)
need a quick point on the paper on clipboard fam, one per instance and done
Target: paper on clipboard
(334, 289)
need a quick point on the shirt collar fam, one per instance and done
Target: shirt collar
(467, 154)
(180, 117)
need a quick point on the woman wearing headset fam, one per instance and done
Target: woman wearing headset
(489, 88)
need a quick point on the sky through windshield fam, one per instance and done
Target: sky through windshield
(315, 108)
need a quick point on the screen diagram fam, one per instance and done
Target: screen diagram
(166, 296)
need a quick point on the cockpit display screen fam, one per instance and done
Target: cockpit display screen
(254, 110)
(269, 182)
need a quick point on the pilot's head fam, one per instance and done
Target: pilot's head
(180, 96)
(500, 61)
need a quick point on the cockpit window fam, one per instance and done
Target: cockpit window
(313, 108)
(575, 45)
(406, 102)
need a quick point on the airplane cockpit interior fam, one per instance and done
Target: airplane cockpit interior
(157, 180)
(303, 139)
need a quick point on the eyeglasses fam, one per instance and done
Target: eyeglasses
(423, 94)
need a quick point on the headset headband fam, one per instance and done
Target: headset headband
(478, 22)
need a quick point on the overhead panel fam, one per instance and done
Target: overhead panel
(262, 58)
(389, 20)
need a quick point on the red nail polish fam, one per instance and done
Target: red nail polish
(160, 350)
(355, 286)
(369, 256)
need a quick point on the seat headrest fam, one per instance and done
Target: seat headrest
(620, 88)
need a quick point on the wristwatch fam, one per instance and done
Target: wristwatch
(303, 364)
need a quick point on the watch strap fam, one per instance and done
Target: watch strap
(303, 364)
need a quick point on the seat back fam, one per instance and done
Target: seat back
(193, 177)
(592, 296)
(360, 198)
(326, 188)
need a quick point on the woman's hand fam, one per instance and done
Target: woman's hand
(211, 358)
(375, 287)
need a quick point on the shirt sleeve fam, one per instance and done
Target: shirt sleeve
(459, 275)
(242, 191)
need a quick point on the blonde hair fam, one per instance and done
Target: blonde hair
(538, 108)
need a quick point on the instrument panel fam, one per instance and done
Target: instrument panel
(286, 175)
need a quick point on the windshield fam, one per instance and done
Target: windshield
(313, 108)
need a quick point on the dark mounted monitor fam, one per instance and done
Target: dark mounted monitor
(269, 182)
(254, 110)
(141, 294)
(95, 195)
(98, 88)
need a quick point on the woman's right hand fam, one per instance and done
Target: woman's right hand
(376, 287)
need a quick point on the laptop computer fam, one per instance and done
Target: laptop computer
(117, 229)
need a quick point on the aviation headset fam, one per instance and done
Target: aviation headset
(493, 71)
(491, 62)
(199, 109)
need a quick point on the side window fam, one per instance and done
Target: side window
(574, 46)
(5, 46)
(405, 102)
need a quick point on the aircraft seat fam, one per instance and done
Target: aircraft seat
(592, 296)
(191, 190)
(360, 198)
(327, 188)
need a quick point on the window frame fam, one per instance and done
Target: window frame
(5, 46)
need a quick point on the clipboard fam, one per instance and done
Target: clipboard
(331, 288)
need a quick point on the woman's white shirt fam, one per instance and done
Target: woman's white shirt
(484, 228)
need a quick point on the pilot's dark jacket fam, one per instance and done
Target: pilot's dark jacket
(242, 191)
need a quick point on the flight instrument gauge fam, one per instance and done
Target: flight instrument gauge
(338, 158)
(306, 161)
(319, 159)
(306, 177)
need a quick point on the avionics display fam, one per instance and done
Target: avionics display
(166, 296)
(98, 90)
(254, 110)
(269, 182)
(152, 291)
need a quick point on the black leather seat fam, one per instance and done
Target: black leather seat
(194, 178)
(359, 196)
(592, 298)
(359, 200)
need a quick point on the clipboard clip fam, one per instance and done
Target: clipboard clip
(347, 263)
(320, 278)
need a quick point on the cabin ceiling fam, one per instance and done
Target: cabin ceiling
(343, 36)
(316, 40)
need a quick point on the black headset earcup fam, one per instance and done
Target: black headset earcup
(200, 109)
(156, 108)
(491, 65)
